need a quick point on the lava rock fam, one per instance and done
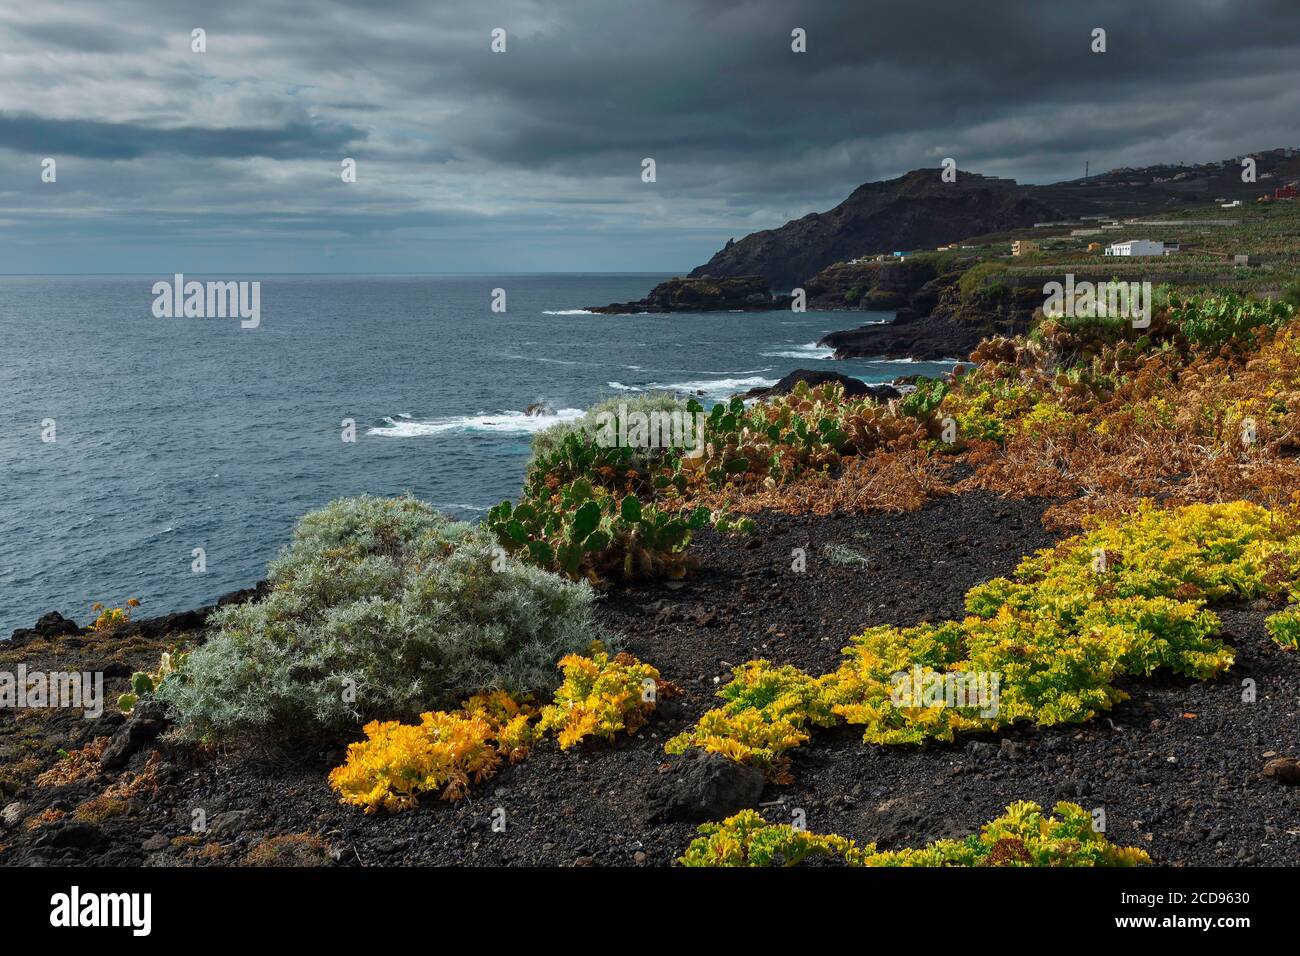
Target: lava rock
(703, 786)
(147, 722)
(229, 823)
(703, 294)
(52, 624)
(853, 388)
(70, 834)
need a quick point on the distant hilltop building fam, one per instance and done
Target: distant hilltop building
(1136, 247)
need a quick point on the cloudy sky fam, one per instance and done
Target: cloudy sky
(530, 160)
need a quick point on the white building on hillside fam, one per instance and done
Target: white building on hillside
(1136, 247)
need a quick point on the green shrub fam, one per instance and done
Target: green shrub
(1214, 320)
(975, 283)
(379, 609)
(1284, 628)
(924, 400)
(548, 442)
(1291, 295)
(597, 509)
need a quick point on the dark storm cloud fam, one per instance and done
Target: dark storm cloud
(541, 146)
(96, 140)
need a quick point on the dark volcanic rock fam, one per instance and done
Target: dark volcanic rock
(925, 338)
(853, 387)
(72, 834)
(741, 293)
(147, 721)
(52, 624)
(703, 786)
(915, 211)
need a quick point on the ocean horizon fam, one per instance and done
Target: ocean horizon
(137, 448)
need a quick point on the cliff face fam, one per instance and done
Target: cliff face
(915, 211)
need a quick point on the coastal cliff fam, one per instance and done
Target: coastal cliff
(915, 211)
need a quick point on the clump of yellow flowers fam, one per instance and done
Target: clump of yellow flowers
(1047, 644)
(110, 619)
(1023, 836)
(447, 751)
(768, 711)
(602, 695)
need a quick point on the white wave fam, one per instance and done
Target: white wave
(548, 361)
(508, 422)
(811, 351)
(722, 387)
(624, 388)
(568, 312)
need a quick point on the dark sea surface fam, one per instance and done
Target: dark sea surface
(183, 433)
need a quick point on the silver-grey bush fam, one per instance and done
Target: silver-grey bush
(392, 599)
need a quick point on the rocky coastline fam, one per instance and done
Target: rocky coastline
(736, 294)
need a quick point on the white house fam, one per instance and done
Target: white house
(1136, 247)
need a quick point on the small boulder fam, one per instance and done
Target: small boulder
(12, 814)
(703, 786)
(229, 823)
(1283, 770)
(69, 834)
(147, 721)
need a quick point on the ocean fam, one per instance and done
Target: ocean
(176, 434)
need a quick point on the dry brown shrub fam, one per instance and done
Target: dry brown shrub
(883, 480)
(77, 765)
(289, 849)
(1164, 425)
(48, 815)
(98, 809)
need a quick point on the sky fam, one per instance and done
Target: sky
(531, 160)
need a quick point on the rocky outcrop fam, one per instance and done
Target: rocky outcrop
(735, 294)
(915, 211)
(147, 721)
(52, 624)
(926, 338)
(853, 388)
(939, 316)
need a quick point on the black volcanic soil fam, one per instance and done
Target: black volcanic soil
(1177, 768)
